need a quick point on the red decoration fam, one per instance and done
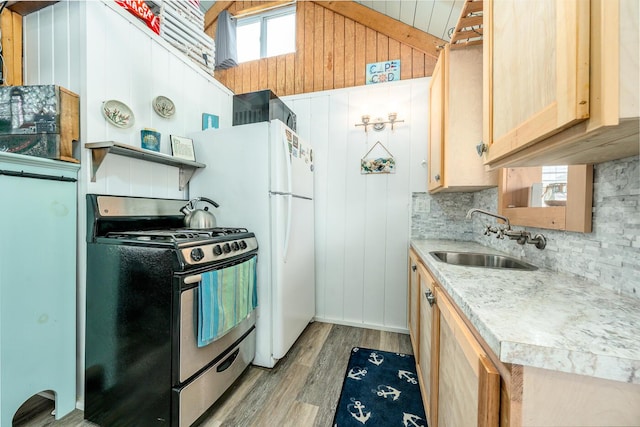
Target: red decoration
(140, 9)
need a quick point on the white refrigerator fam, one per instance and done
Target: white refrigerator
(261, 174)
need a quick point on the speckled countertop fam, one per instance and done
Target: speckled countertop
(542, 318)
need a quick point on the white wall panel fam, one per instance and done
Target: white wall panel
(76, 45)
(319, 138)
(375, 189)
(399, 196)
(31, 48)
(363, 221)
(60, 39)
(333, 249)
(47, 47)
(354, 212)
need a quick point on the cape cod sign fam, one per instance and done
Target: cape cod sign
(381, 72)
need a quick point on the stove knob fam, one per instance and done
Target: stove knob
(243, 244)
(226, 248)
(234, 246)
(217, 250)
(197, 254)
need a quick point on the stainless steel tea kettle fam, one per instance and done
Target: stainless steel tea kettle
(198, 218)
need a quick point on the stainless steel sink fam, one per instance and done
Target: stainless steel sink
(474, 259)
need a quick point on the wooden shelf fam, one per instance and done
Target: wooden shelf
(99, 151)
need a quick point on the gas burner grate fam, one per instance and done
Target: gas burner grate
(189, 234)
(176, 234)
(216, 231)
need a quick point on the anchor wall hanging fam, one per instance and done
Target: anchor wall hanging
(377, 160)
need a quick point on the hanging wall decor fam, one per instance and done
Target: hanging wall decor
(377, 160)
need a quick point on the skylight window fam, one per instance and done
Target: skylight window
(267, 34)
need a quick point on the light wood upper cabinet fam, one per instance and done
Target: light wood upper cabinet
(537, 70)
(455, 123)
(436, 131)
(560, 81)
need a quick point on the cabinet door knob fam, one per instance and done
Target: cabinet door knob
(431, 299)
(437, 177)
(414, 267)
(481, 148)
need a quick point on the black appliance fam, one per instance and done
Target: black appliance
(142, 363)
(261, 106)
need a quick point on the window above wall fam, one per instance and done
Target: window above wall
(266, 34)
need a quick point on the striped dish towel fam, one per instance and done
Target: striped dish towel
(225, 298)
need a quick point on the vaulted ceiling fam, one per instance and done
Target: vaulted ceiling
(436, 17)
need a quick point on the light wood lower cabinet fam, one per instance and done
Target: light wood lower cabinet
(429, 320)
(463, 383)
(413, 293)
(468, 382)
(460, 385)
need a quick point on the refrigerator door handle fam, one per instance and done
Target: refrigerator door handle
(287, 234)
(287, 160)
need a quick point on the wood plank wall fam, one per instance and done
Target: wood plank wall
(331, 53)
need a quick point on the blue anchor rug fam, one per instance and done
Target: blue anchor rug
(380, 389)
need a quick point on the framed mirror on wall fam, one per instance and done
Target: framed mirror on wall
(553, 197)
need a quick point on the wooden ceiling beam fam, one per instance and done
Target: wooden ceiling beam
(393, 28)
(212, 14)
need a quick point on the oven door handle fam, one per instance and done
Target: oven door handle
(227, 363)
(193, 279)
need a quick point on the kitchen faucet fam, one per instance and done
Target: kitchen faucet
(521, 237)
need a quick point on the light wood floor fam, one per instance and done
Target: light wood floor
(301, 391)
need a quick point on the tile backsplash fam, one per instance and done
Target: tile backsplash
(609, 255)
(441, 216)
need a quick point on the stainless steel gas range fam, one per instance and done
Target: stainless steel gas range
(145, 362)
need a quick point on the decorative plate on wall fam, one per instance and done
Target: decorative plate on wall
(163, 106)
(118, 114)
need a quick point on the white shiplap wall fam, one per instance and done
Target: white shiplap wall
(363, 221)
(101, 52)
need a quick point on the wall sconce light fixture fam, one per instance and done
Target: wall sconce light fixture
(379, 124)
